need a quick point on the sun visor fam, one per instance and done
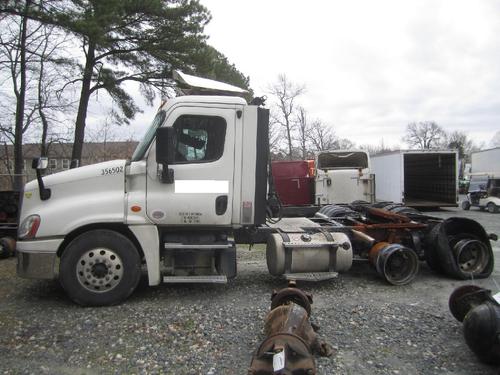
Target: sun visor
(192, 85)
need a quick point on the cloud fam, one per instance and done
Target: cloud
(372, 67)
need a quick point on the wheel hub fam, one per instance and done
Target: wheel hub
(99, 270)
(471, 255)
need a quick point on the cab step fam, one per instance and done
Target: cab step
(215, 279)
(311, 276)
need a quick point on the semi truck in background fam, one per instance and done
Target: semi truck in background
(417, 178)
(197, 185)
(333, 177)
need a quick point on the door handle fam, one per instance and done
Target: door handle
(221, 204)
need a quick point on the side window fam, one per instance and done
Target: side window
(52, 163)
(200, 139)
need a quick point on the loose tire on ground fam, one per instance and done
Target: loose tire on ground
(100, 267)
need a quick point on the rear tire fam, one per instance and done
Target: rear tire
(100, 267)
(492, 208)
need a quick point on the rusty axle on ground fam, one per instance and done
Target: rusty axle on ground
(291, 339)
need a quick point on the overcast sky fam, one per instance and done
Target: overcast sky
(371, 67)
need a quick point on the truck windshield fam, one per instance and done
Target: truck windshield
(148, 137)
(342, 160)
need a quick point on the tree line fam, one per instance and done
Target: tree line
(57, 55)
(294, 135)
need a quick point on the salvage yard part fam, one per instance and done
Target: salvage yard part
(291, 253)
(456, 247)
(7, 247)
(459, 248)
(291, 340)
(480, 314)
(394, 262)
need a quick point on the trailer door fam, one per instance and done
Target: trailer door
(202, 191)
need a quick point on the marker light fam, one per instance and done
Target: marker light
(29, 227)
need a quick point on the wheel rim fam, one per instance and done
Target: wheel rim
(99, 270)
(471, 256)
(491, 208)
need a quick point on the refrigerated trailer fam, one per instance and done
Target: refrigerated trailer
(417, 178)
(486, 161)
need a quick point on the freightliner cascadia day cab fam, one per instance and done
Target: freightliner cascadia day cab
(197, 184)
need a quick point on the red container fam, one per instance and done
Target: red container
(293, 182)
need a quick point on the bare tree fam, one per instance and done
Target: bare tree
(303, 129)
(15, 60)
(495, 141)
(345, 144)
(275, 136)
(286, 93)
(322, 137)
(30, 62)
(378, 149)
(424, 135)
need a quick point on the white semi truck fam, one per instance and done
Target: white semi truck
(197, 184)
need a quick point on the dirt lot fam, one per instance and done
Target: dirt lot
(375, 328)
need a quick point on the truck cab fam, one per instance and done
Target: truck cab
(483, 192)
(199, 173)
(343, 176)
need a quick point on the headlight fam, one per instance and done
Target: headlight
(29, 227)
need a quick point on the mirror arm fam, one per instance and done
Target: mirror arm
(44, 192)
(167, 174)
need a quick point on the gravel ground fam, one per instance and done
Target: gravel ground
(374, 328)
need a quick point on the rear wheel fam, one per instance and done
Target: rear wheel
(100, 267)
(465, 205)
(492, 208)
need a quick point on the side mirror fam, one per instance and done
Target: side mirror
(40, 163)
(166, 143)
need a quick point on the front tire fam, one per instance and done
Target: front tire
(100, 267)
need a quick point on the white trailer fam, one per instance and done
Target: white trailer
(417, 178)
(486, 161)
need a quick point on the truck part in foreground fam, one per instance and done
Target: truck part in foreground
(480, 314)
(291, 340)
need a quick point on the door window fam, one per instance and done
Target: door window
(200, 139)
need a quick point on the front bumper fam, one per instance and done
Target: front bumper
(36, 259)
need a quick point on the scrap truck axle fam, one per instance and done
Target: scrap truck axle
(291, 339)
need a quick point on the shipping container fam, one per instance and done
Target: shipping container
(417, 178)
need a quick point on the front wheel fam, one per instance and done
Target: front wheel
(465, 205)
(100, 267)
